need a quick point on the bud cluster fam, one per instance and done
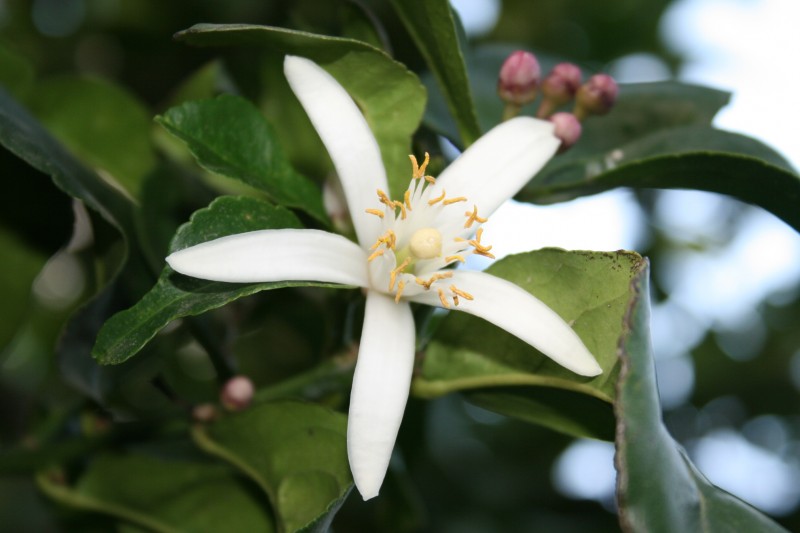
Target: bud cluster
(519, 84)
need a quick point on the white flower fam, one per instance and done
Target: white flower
(404, 247)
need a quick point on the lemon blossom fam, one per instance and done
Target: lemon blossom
(404, 246)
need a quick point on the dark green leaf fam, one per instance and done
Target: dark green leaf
(27, 139)
(432, 26)
(104, 125)
(229, 136)
(295, 452)
(164, 496)
(175, 296)
(658, 488)
(590, 290)
(390, 96)
(692, 157)
(16, 73)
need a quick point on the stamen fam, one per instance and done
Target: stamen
(400, 286)
(397, 270)
(384, 198)
(418, 171)
(376, 212)
(377, 253)
(437, 200)
(455, 200)
(458, 292)
(451, 258)
(402, 208)
(473, 217)
(430, 179)
(443, 299)
(480, 249)
(435, 277)
(389, 239)
(455, 300)
(407, 200)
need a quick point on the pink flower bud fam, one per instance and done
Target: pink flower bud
(562, 83)
(519, 78)
(567, 128)
(204, 412)
(596, 96)
(237, 393)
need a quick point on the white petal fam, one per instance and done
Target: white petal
(500, 163)
(380, 389)
(520, 313)
(275, 255)
(348, 138)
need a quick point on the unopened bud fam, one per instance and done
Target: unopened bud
(237, 393)
(567, 128)
(519, 78)
(204, 412)
(596, 96)
(559, 87)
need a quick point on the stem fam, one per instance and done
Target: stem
(331, 374)
(510, 111)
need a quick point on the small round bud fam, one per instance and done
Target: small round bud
(237, 393)
(519, 78)
(567, 128)
(562, 83)
(204, 412)
(426, 243)
(596, 96)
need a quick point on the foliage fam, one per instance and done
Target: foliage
(102, 388)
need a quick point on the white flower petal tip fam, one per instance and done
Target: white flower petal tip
(275, 255)
(380, 390)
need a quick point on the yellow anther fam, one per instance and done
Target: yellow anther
(473, 217)
(435, 277)
(418, 171)
(400, 286)
(437, 200)
(480, 249)
(397, 270)
(430, 179)
(455, 300)
(402, 208)
(389, 239)
(377, 253)
(451, 258)
(384, 198)
(455, 200)
(443, 299)
(407, 200)
(458, 292)
(376, 212)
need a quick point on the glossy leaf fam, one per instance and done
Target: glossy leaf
(590, 290)
(25, 137)
(432, 25)
(229, 136)
(658, 489)
(390, 96)
(692, 157)
(175, 296)
(295, 452)
(104, 125)
(164, 496)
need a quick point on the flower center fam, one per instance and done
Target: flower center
(426, 243)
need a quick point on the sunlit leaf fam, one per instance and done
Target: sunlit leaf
(295, 452)
(590, 290)
(229, 136)
(390, 96)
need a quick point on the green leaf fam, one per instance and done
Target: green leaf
(164, 496)
(658, 489)
(295, 452)
(432, 26)
(390, 96)
(229, 136)
(590, 290)
(104, 125)
(16, 72)
(25, 137)
(175, 296)
(692, 157)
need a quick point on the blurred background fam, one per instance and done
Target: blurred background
(726, 276)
